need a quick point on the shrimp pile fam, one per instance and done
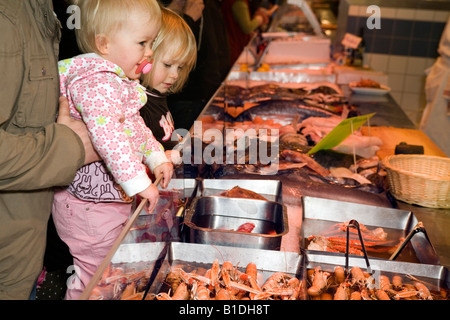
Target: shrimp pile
(228, 283)
(359, 285)
(120, 282)
(335, 240)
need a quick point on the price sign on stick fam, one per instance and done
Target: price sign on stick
(351, 41)
(345, 128)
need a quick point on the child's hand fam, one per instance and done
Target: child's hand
(165, 171)
(152, 195)
(174, 156)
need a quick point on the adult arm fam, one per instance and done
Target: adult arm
(44, 159)
(79, 128)
(241, 15)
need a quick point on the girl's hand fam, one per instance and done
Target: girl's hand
(165, 171)
(152, 195)
(174, 156)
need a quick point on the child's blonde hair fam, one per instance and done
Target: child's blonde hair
(107, 16)
(175, 40)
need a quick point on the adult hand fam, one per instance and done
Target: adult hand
(177, 6)
(272, 10)
(265, 14)
(79, 128)
(194, 9)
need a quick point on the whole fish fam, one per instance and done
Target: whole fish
(276, 107)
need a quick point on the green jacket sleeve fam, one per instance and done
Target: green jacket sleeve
(35, 152)
(241, 14)
(39, 160)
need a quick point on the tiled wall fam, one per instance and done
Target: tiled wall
(403, 48)
(405, 32)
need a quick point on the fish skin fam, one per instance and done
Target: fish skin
(300, 184)
(289, 107)
(330, 158)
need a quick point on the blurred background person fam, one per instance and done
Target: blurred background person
(435, 120)
(241, 23)
(212, 64)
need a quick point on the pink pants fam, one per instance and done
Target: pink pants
(89, 229)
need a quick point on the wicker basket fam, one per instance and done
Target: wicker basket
(419, 179)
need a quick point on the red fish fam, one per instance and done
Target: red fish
(246, 227)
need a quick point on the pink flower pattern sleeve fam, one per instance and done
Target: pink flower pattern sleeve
(108, 102)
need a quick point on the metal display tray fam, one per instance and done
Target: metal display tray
(214, 220)
(435, 275)
(270, 189)
(161, 225)
(192, 254)
(319, 214)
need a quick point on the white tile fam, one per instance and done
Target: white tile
(412, 105)
(424, 15)
(414, 117)
(414, 84)
(397, 96)
(416, 66)
(388, 13)
(363, 11)
(353, 10)
(379, 62)
(396, 81)
(397, 64)
(429, 62)
(423, 102)
(405, 14)
(410, 101)
(441, 16)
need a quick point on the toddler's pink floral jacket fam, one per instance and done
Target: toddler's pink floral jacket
(108, 102)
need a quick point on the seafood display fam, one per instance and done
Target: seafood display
(226, 234)
(246, 227)
(227, 282)
(361, 285)
(260, 111)
(367, 83)
(238, 192)
(334, 240)
(123, 281)
(323, 95)
(160, 225)
(270, 190)
(383, 231)
(317, 128)
(237, 222)
(189, 280)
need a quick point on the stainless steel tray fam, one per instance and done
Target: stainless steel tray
(319, 214)
(213, 220)
(162, 224)
(435, 276)
(191, 255)
(270, 189)
(203, 255)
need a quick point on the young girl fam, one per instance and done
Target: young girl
(101, 86)
(174, 56)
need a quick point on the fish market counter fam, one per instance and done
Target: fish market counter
(393, 126)
(387, 112)
(287, 213)
(285, 224)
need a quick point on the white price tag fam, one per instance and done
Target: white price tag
(351, 41)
